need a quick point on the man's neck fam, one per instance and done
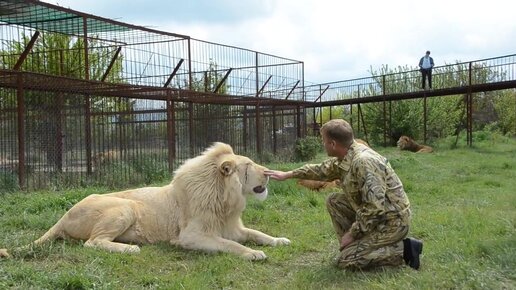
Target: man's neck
(341, 155)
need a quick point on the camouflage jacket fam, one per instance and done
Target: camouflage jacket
(369, 184)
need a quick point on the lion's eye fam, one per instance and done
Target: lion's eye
(246, 173)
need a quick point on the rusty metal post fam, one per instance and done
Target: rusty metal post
(315, 121)
(292, 90)
(425, 116)
(359, 113)
(59, 132)
(298, 121)
(244, 128)
(351, 116)
(257, 76)
(174, 72)
(171, 132)
(26, 51)
(321, 114)
(20, 99)
(110, 66)
(87, 105)
(206, 81)
(21, 130)
(390, 122)
(384, 113)
(59, 121)
(274, 128)
(361, 118)
(258, 131)
(257, 110)
(469, 117)
(190, 82)
(191, 127)
(222, 81)
(302, 122)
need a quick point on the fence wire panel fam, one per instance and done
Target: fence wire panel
(8, 138)
(88, 100)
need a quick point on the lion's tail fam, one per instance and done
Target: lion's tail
(52, 234)
(3, 253)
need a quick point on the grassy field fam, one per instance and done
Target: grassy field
(463, 200)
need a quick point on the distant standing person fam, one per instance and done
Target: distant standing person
(426, 63)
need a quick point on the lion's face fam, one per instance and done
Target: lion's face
(403, 142)
(251, 176)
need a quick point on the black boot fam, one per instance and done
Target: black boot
(412, 248)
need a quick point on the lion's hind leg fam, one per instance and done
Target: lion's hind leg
(113, 224)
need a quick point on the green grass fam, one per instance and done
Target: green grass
(463, 200)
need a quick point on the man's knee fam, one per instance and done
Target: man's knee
(331, 200)
(338, 204)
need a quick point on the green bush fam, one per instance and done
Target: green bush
(306, 148)
(151, 170)
(8, 182)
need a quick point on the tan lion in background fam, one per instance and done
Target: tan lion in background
(406, 143)
(318, 185)
(199, 210)
(105, 157)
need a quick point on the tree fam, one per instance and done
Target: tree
(61, 55)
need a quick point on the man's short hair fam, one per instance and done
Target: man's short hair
(338, 130)
(428, 52)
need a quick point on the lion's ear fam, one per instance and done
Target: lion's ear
(227, 167)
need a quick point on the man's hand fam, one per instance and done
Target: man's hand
(346, 239)
(278, 175)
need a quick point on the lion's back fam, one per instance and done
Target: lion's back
(407, 143)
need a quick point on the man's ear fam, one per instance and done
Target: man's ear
(227, 167)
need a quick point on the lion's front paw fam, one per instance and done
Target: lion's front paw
(280, 241)
(132, 249)
(255, 255)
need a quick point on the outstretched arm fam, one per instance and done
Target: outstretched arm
(279, 175)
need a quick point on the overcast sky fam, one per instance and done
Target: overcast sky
(336, 39)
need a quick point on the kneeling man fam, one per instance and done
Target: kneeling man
(371, 216)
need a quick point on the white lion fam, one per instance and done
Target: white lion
(199, 210)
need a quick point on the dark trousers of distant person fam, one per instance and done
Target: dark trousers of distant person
(426, 73)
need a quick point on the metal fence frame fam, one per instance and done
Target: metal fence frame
(123, 103)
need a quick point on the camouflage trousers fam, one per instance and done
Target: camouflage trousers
(382, 247)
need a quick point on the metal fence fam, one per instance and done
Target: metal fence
(88, 100)
(464, 74)
(459, 79)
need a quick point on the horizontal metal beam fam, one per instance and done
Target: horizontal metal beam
(420, 94)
